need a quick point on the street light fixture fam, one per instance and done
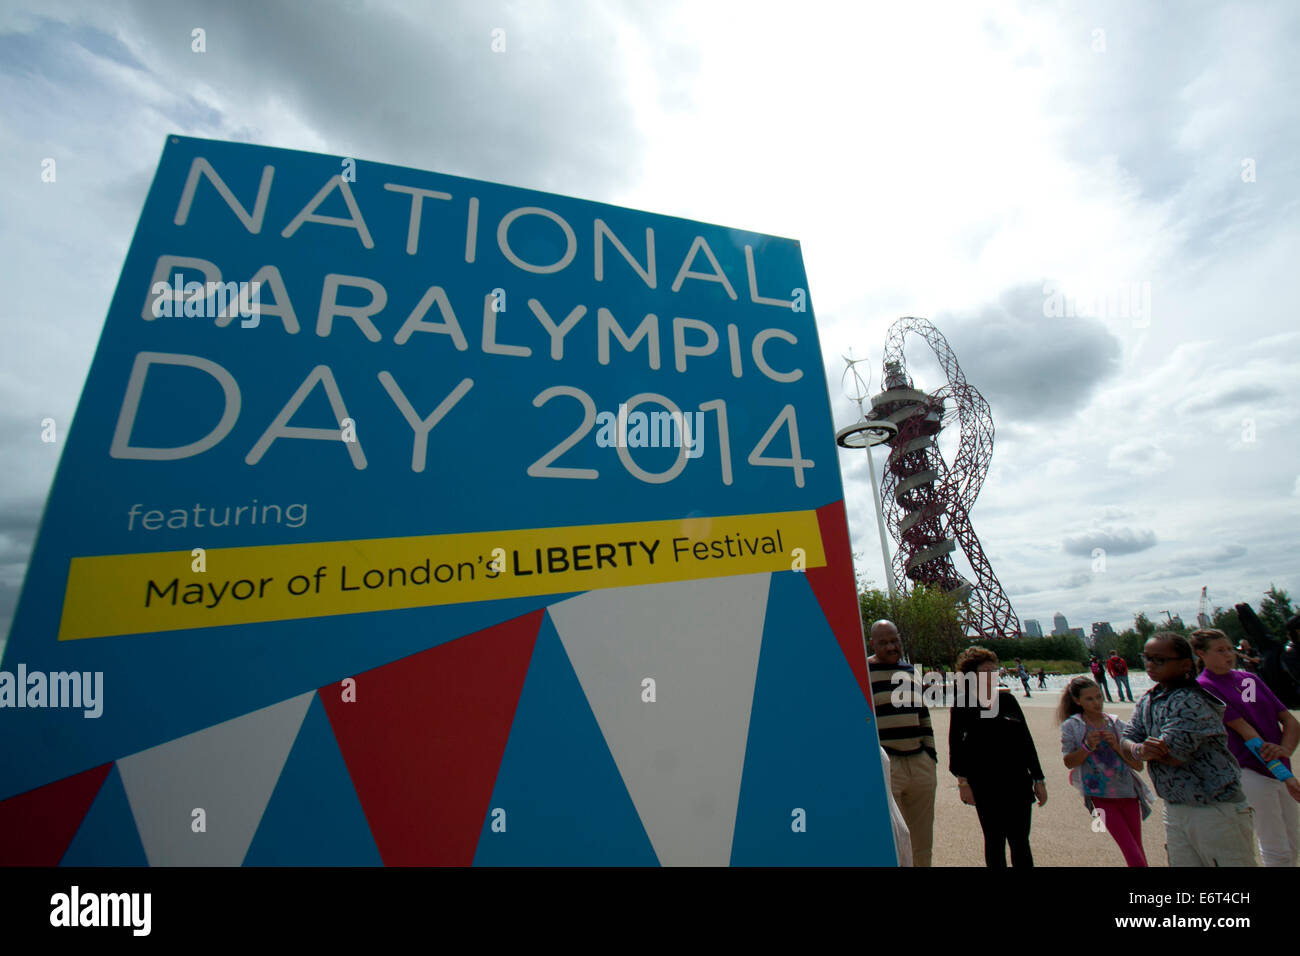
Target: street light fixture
(866, 435)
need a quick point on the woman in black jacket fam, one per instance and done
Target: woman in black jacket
(992, 755)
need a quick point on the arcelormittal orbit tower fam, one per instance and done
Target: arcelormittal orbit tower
(927, 503)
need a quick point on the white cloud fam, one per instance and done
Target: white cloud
(1141, 456)
(1061, 466)
(1115, 541)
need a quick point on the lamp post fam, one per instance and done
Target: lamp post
(866, 435)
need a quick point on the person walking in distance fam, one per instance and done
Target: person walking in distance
(1118, 669)
(1023, 675)
(1099, 675)
(907, 736)
(1177, 728)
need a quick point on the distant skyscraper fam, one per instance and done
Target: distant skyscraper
(1076, 632)
(1062, 625)
(1033, 628)
(1101, 629)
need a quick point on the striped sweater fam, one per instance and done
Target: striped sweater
(904, 731)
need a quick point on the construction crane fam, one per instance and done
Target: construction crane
(1202, 615)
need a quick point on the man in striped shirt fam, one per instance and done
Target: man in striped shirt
(907, 736)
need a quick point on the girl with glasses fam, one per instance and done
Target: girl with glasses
(1177, 728)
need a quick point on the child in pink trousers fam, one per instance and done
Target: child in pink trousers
(1107, 777)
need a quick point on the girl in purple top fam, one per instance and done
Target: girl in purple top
(1258, 727)
(1101, 769)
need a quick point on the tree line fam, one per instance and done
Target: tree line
(932, 626)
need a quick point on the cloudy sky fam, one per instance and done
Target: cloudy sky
(999, 170)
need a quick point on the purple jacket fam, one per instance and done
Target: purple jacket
(1246, 695)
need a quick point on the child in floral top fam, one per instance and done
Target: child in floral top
(1112, 791)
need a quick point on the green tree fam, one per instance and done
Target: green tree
(1228, 622)
(875, 605)
(1105, 644)
(928, 621)
(1055, 647)
(938, 631)
(1143, 625)
(1130, 647)
(1274, 611)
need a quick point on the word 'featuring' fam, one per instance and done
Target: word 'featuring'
(294, 516)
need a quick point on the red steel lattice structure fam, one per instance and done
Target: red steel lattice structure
(927, 503)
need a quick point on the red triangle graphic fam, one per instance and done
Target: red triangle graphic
(836, 590)
(424, 738)
(38, 825)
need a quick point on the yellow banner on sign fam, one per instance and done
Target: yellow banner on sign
(144, 593)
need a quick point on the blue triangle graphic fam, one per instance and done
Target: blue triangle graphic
(314, 817)
(564, 800)
(108, 835)
(804, 686)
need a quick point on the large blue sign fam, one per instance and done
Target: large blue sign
(414, 519)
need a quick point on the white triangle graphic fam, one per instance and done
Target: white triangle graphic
(682, 756)
(229, 770)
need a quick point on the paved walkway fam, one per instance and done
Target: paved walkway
(1062, 829)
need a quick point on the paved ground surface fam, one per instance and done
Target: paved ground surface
(1062, 833)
